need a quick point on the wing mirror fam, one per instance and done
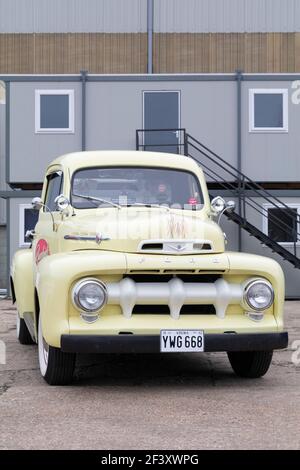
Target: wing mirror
(62, 202)
(37, 203)
(230, 206)
(219, 206)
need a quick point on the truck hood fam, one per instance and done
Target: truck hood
(153, 230)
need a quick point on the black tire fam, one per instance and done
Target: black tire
(23, 334)
(56, 367)
(60, 368)
(250, 364)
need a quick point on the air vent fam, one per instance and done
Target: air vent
(175, 246)
(152, 246)
(175, 271)
(137, 271)
(199, 246)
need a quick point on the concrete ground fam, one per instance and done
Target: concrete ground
(149, 401)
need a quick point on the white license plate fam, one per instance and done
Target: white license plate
(181, 341)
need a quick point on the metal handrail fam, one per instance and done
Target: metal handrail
(255, 205)
(243, 181)
(237, 188)
(244, 177)
(180, 144)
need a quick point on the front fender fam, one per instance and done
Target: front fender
(22, 279)
(241, 264)
(55, 276)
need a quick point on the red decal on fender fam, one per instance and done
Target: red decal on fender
(41, 250)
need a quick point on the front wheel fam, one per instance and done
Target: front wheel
(56, 366)
(250, 364)
(23, 334)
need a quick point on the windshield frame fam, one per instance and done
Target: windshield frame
(164, 168)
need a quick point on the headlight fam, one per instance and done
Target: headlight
(89, 295)
(259, 294)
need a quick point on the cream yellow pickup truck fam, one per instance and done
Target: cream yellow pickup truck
(128, 257)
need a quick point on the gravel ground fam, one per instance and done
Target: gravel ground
(190, 401)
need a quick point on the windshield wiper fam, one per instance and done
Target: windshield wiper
(140, 204)
(97, 199)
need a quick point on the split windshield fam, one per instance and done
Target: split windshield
(129, 186)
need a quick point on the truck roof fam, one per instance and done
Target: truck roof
(78, 160)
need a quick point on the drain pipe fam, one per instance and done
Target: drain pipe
(150, 17)
(239, 78)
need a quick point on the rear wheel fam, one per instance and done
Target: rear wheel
(23, 334)
(250, 364)
(56, 366)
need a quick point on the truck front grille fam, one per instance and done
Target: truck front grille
(178, 293)
(165, 310)
(202, 278)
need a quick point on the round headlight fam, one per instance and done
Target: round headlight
(89, 295)
(259, 295)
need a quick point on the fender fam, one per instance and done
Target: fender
(22, 283)
(256, 265)
(54, 278)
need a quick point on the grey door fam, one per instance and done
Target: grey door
(161, 111)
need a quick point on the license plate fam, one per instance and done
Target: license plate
(181, 341)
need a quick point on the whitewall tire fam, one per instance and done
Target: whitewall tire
(56, 367)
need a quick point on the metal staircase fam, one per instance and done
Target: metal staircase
(252, 197)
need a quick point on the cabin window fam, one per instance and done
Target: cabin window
(28, 218)
(54, 111)
(268, 110)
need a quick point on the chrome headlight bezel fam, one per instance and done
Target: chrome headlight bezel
(249, 285)
(75, 294)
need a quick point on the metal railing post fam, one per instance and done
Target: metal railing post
(186, 143)
(295, 237)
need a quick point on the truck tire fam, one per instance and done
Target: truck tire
(23, 334)
(56, 367)
(250, 364)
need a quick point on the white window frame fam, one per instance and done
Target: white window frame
(265, 219)
(285, 110)
(22, 207)
(38, 129)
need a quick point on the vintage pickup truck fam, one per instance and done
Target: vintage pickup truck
(128, 257)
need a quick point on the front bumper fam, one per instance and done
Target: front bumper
(151, 343)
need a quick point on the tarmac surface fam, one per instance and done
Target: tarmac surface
(189, 401)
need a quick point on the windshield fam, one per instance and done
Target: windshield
(129, 186)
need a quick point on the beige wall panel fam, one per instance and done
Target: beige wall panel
(72, 52)
(127, 52)
(226, 52)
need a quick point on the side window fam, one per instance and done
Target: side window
(54, 111)
(282, 233)
(268, 110)
(54, 188)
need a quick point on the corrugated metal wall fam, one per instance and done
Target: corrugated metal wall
(130, 16)
(75, 16)
(227, 16)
